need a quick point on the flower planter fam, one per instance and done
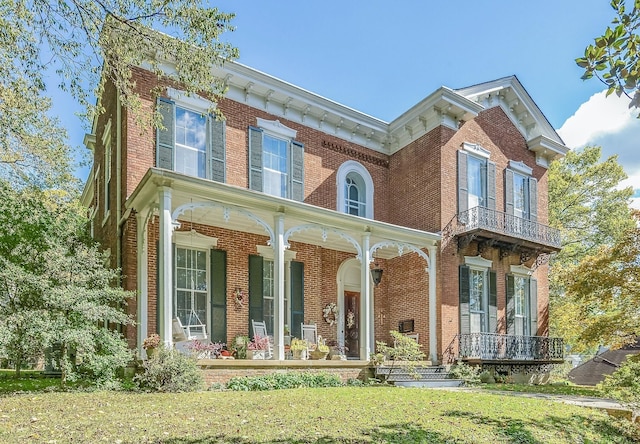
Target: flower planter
(299, 354)
(257, 354)
(317, 355)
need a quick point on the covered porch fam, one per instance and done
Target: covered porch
(183, 210)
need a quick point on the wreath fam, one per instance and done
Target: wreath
(351, 319)
(240, 298)
(329, 313)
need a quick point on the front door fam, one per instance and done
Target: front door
(352, 323)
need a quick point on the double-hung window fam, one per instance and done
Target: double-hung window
(520, 192)
(262, 294)
(522, 302)
(192, 141)
(276, 160)
(476, 180)
(478, 296)
(199, 284)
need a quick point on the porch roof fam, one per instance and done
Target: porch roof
(213, 203)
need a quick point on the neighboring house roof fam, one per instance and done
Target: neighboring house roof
(593, 371)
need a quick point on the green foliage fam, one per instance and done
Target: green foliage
(624, 383)
(54, 287)
(170, 371)
(470, 374)
(592, 212)
(403, 349)
(614, 58)
(486, 377)
(88, 44)
(277, 381)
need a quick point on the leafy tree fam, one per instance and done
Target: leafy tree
(614, 58)
(89, 43)
(592, 212)
(54, 288)
(624, 383)
(606, 288)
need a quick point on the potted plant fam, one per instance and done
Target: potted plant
(337, 352)
(206, 350)
(258, 347)
(299, 348)
(150, 344)
(238, 347)
(321, 349)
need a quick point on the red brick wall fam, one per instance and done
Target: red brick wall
(414, 187)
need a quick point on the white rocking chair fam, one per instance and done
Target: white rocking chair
(260, 330)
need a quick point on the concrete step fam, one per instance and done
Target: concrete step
(430, 383)
(417, 376)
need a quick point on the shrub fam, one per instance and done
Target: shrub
(624, 383)
(277, 381)
(170, 371)
(487, 378)
(469, 374)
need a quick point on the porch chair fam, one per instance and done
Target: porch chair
(309, 333)
(183, 339)
(260, 329)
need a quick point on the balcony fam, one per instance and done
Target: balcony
(505, 230)
(492, 347)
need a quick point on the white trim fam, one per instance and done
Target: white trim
(267, 252)
(275, 128)
(476, 149)
(341, 175)
(477, 261)
(521, 270)
(520, 167)
(191, 101)
(194, 239)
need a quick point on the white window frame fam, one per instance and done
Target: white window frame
(267, 254)
(193, 240)
(351, 166)
(522, 274)
(278, 131)
(479, 265)
(196, 104)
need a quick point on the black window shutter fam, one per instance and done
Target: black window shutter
(465, 321)
(255, 158)
(217, 142)
(463, 188)
(533, 199)
(218, 285)
(165, 138)
(297, 171)
(511, 305)
(297, 298)
(493, 302)
(491, 185)
(256, 294)
(533, 304)
(508, 192)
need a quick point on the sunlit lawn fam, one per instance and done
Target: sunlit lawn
(347, 414)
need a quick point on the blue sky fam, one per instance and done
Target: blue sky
(381, 57)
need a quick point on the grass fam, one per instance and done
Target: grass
(344, 415)
(549, 389)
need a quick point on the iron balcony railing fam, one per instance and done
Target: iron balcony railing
(495, 347)
(481, 218)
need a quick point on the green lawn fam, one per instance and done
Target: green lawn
(346, 414)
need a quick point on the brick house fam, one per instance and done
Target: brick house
(285, 207)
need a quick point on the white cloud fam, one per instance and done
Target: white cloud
(609, 123)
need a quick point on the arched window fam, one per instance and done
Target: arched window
(354, 190)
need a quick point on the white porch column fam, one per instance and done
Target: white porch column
(142, 247)
(433, 308)
(279, 290)
(365, 307)
(165, 261)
